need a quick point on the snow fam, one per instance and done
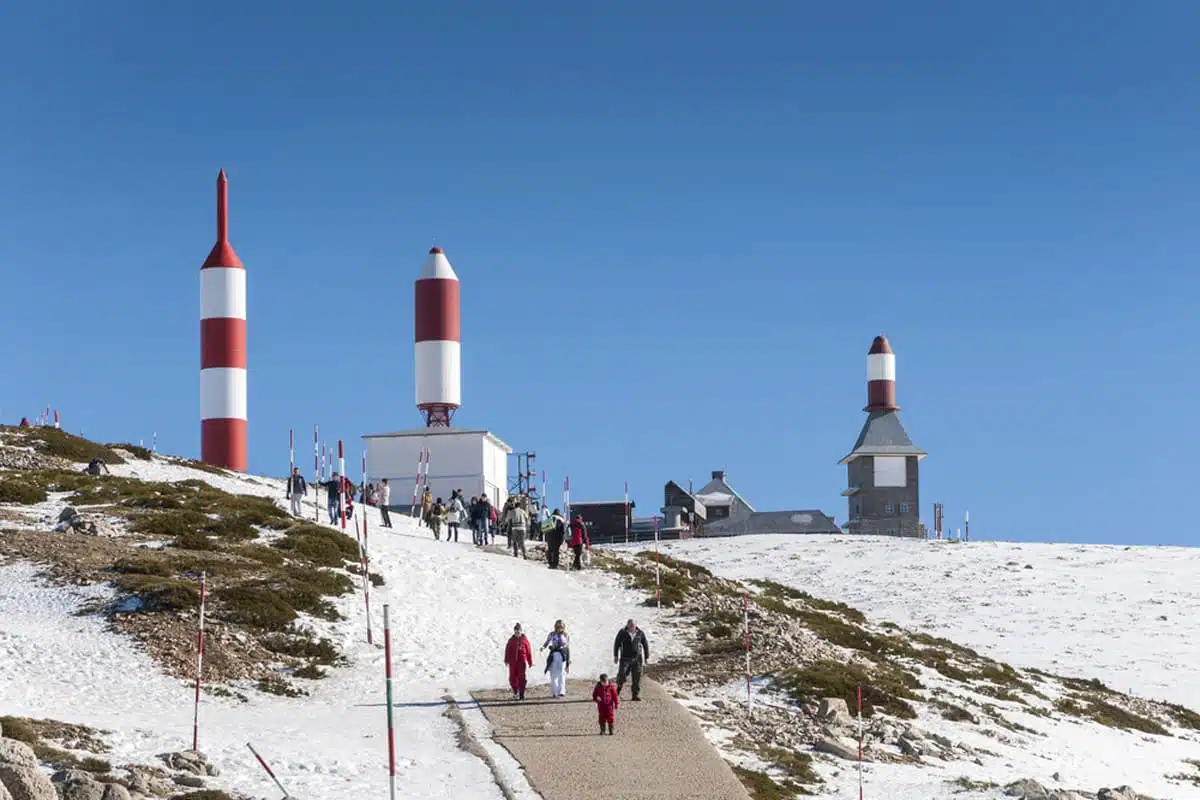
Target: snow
(1082, 610)
(1088, 611)
(451, 606)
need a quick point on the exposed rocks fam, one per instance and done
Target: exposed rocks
(19, 773)
(1028, 789)
(71, 521)
(189, 761)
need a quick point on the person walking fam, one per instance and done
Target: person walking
(607, 698)
(628, 650)
(518, 656)
(555, 538)
(454, 515)
(436, 515)
(579, 540)
(518, 522)
(297, 488)
(427, 506)
(384, 496)
(558, 662)
(333, 493)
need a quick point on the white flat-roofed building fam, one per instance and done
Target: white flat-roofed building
(475, 461)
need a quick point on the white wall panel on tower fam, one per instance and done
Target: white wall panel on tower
(222, 293)
(881, 367)
(891, 471)
(222, 393)
(438, 372)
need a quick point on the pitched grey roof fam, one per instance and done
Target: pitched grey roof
(719, 486)
(882, 435)
(802, 521)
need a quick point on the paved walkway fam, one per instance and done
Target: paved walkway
(658, 751)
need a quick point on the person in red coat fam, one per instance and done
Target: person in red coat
(579, 540)
(606, 699)
(518, 656)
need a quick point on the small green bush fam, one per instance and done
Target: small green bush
(135, 450)
(142, 566)
(256, 607)
(261, 553)
(318, 545)
(56, 442)
(19, 729)
(884, 690)
(22, 490)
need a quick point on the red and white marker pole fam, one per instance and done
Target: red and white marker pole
(626, 512)
(657, 570)
(199, 663)
(316, 477)
(545, 500)
(291, 452)
(860, 744)
(364, 553)
(567, 496)
(746, 622)
(154, 443)
(387, 661)
(286, 796)
(56, 425)
(417, 482)
(342, 484)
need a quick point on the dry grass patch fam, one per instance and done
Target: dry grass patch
(885, 688)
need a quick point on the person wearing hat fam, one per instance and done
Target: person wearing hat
(579, 540)
(518, 656)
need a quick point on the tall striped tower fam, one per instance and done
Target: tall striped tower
(438, 358)
(881, 376)
(223, 348)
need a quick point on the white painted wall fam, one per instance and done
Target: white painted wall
(468, 460)
(891, 471)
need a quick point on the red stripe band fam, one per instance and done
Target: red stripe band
(437, 311)
(222, 343)
(223, 443)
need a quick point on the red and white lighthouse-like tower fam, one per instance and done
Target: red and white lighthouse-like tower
(223, 348)
(438, 358)
(881, 376)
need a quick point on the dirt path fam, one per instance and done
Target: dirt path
(658, 751)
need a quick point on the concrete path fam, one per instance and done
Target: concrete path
(657, 752)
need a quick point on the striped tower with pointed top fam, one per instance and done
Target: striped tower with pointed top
(882, 468)
(223, 348)
(438, 357)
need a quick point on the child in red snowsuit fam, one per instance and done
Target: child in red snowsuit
(518, 655)
(606, 699)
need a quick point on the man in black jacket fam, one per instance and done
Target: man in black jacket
(630, 650)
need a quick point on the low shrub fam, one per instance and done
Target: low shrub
(21, 490)
(254, 606)
(142, 566)
(135, 450)
(157, 593)
(19, 729)
(273, 684)
(262, 554)
(57, 442)
(318, 545)
(783, 592)
(884, 690)
(317, 651)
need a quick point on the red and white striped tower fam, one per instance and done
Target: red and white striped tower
(881, 376)
(438, 359)
(223, 348)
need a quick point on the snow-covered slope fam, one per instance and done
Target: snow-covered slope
(1129, 616)
(452, 608)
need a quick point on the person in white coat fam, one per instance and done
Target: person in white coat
(558, 662)
(455, 513)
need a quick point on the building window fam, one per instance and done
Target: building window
(888, 508)
(904, 508)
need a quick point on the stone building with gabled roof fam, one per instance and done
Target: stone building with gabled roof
(883, 467)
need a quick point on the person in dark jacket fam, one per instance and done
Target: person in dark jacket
(297, 489)
(555, 538)
(95, 465)
(333, 494)
(630, 651)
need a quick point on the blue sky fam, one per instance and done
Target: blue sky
(677, 227)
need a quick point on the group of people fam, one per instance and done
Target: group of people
(631, 651)
(479, 515)
(340, 493)
(520, 519)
